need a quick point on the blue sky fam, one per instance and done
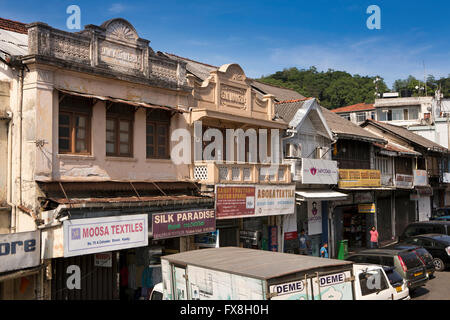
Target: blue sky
(267, 36)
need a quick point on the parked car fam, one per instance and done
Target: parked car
(437, 245)
(397, 282)
(425, 227)
(406, 263)
(421, 252)
(441, 214)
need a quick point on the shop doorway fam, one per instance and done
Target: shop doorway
(355, 227)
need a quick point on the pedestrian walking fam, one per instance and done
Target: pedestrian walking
(324, 251)
(373, 238)
(304, 243)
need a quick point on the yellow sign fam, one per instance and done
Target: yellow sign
(349, 178)
(366, 208)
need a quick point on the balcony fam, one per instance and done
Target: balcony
(313, 171)
(211, 173)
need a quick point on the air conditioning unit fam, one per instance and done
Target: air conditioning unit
(294, 150)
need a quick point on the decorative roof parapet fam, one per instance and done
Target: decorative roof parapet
(114, 48)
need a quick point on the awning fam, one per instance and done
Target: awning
(320, 195)
(20, 273)
(117, 100)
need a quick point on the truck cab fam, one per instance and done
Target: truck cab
(372, 283)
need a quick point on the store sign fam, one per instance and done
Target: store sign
(235, 201)
(446, 177)
(86, 236)
(316, 171)
(183, 223)
(366, 208)
(239, 201)
(420, 178)
(19, 250)
(404, 181)
(314, 217)
(350, 178)
(363, 197)
(103, 259)
(275, 200)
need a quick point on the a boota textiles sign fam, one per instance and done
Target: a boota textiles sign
(19, 250)
(316, 171)
(86, 236)
(178, 224)
(349, 178)
(240, 201)
(404, 181)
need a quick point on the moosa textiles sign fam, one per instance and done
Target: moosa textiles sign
(316, 171)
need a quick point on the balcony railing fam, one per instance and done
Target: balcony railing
(211, 172)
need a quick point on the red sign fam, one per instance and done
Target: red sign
(235, 201)
(290, 235)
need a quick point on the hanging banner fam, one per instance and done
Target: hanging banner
(404, 181)
(183, 223)
(420, 178)
(349, 178)
(290, 227)
(275, 200)
(235, 201)
(314, 217)
(316, 171)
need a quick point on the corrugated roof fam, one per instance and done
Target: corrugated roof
(343, 127)
(406, 134)
(396, 148)
(288, 109)
(13, 43)
(252, 263)
(354, 108)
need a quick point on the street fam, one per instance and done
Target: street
(435, 289)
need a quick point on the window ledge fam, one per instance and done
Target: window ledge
(124, 159)
(68, 156)
(150, 160)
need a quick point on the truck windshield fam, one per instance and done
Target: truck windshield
(394, 277)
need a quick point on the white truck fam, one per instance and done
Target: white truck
(232, 273)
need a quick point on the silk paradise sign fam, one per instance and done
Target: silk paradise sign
(178, 224)
(86, 236)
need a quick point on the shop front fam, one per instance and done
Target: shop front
(252, 215)
(20, 266)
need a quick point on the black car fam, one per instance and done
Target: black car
(437, 245)
(421, 252)
(405, 262)
(425, 227)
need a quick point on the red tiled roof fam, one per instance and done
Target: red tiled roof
(355, 107)
(14, 26)
(290, 101)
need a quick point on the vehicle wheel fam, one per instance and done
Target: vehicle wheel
(438, 264)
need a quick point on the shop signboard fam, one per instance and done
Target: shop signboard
(103, 259)
(19, 250)
(87, 236)
(420, 178)
(366, 208)
(404, 181)
(240, 201)
(355, 178)
(314, 217)
(275, 200)
(235, 201)
(316, 171)
(183, 223)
